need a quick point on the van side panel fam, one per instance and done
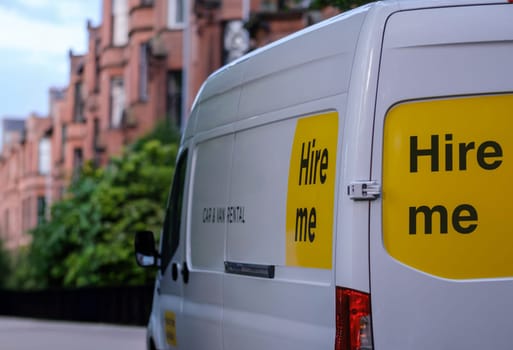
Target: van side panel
(293, 306)
(210, 195)
(442, 149)
(209, 188)
(315, 65)
(257, 190)
(352, 243)
(293, 98)
(265, 167)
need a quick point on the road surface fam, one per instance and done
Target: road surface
(26, 334)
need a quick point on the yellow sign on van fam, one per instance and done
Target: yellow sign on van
(170, 327)
(311, 186)
(447, 186)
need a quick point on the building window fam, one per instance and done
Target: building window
(63, 142)
(78, 110)
(96, 134)
(98, 146)
(282, 5)
(97, 75)
(44, 153)
(97, 65)
(143, 72)
(41, 210)
(119, 22)
(176, 13)
(117, 101)
(174, 98)
(25, 209)
(78, 159)
(6, 224)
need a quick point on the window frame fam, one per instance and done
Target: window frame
(174, 96)
(78, 159)
(119, 23)
(44, 149)
(117, 101)
(41, 209)
(78, 107)
(143, 72)
(64, 137)
(174, 19)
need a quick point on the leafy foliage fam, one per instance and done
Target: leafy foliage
(21, 273)
(164, 132)
(5, 264)
(89, 239)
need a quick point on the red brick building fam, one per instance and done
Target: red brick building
(24, 166)
(144, 63)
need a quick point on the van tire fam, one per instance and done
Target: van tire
(151, 344)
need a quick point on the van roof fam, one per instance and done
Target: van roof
(279, 55)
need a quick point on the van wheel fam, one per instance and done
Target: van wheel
(152, 345)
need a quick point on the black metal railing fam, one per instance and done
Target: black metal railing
(129, 305)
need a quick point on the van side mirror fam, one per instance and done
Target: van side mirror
(146, 254)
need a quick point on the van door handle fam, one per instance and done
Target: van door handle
(174, 271)
(364, 190)
(185, 273)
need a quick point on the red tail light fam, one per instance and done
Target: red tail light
(353, 315)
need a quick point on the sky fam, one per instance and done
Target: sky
(35, 39)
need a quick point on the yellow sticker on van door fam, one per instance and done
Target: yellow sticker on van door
(170, 327)
(311, 186)
(447, 186)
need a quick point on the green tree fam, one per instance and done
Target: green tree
(5, 264)
(21, 273)
(341, 4)
(164, 132)
(89, 239)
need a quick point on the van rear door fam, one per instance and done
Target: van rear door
(441, 251)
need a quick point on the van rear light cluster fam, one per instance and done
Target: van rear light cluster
(353, 320)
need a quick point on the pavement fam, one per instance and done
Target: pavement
(29, 334)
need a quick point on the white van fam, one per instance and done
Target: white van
(348, 187)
